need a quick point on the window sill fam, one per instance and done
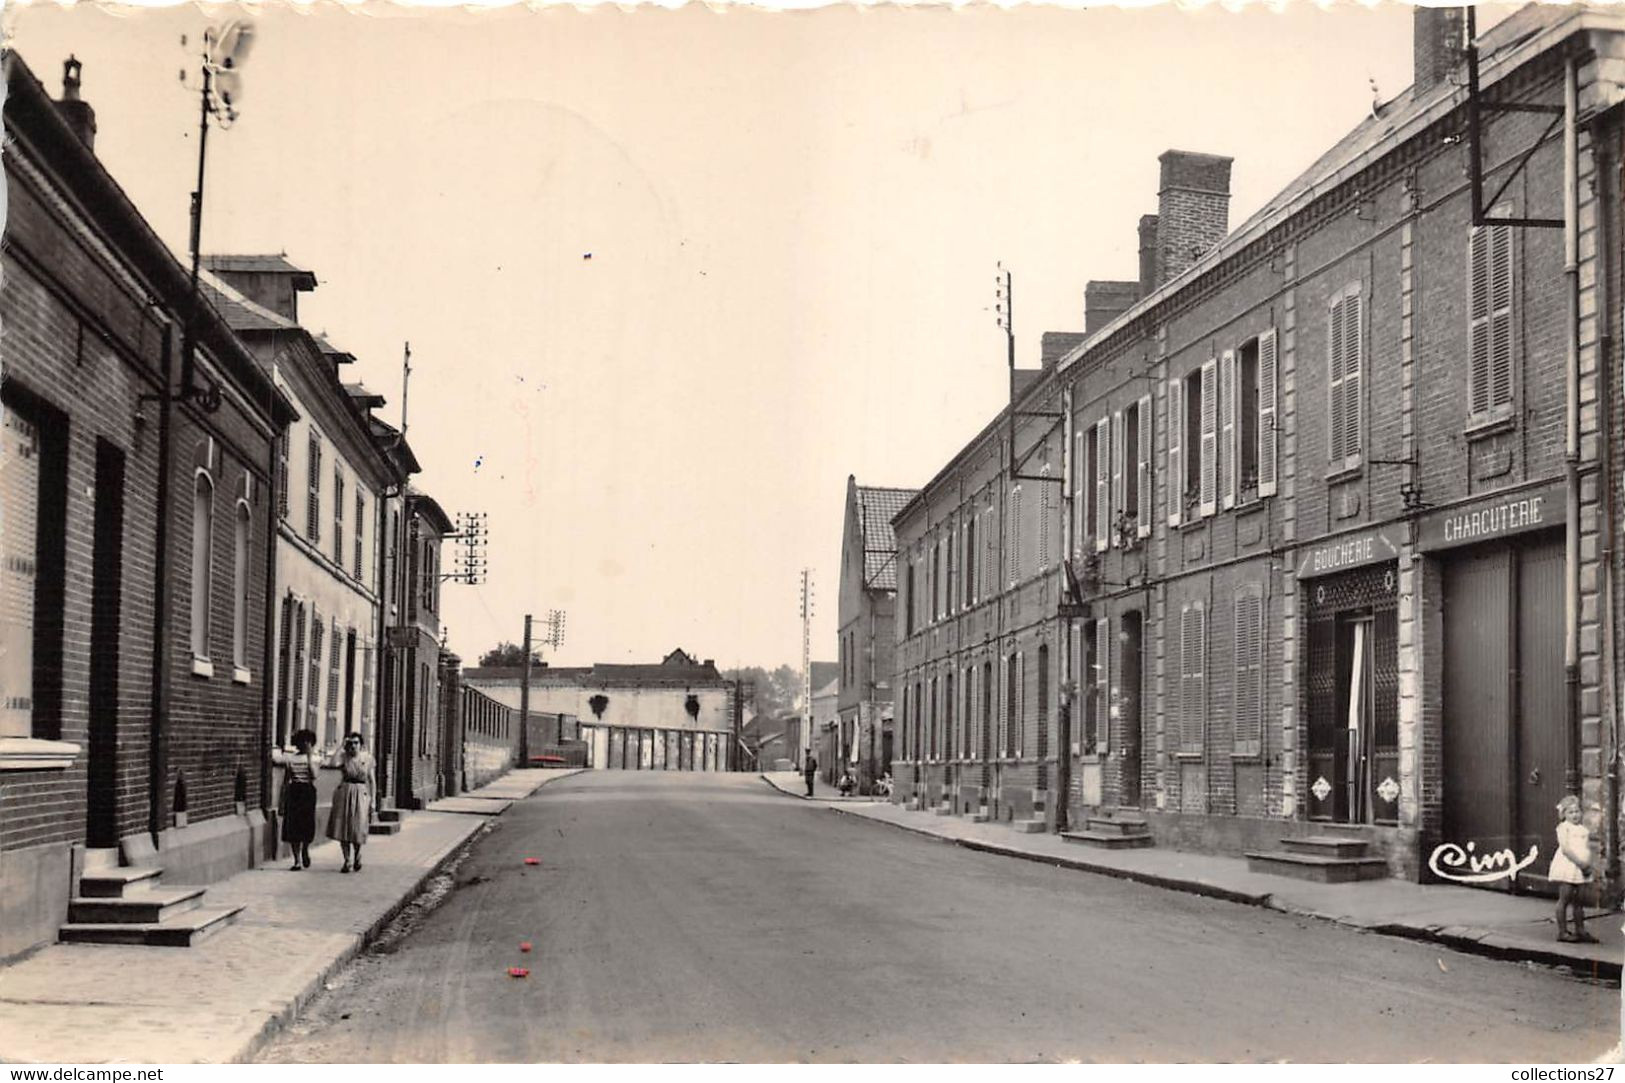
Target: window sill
(1344, 472)
(36, 754)
(1190, 757)
(239, 675)
(1246, 757)
(202, 667)
(1490, 424)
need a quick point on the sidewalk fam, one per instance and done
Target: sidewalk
(219, 1000)
(794, 783)
(1481, 922)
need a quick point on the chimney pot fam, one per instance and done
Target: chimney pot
(1193, 209)
(79, 115)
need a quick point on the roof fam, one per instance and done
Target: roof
(605, 674)
(34, 120)
(833, 688)
(336, 353)
(1516, 40)
(362, 396)
(876, 508)
(262, 264)
(393, 444)
(1025, 381)
(240, 313)
(431, 508)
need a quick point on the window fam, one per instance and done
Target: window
(1010, 677)
(282, 441)
(990, 534)
(1043, 700)
(33, 531)
(338, 515)
(987, 709)
(1043, 518)
(1013, 556)
(202, 561)
(970, 560)
(1082, 442)
(966, 746)
(936, 579)
(242, 585)
(1140, 440)
(1176, 452)
(1208, 492)
(1096, 684)
(909, 601)
(1489, 323)
(313, 495)
(360, 529)
(1266, 413)
(1245, 444)
(1192, 677)
(1132, 462)
(1249, 732)
(951, 746)
(1100, 458)
(335, 642)
(1344, 361)
(313, 690)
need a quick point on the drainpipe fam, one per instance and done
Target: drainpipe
(157, 760)
(1571, 457)
(268, 664)
(1607, 223)
(1063, 723)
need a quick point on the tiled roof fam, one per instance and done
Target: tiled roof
(604, 673)
(238, 311)
(876, 509)
(335, 353)
(262, 264)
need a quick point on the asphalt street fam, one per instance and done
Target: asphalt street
(702, 917)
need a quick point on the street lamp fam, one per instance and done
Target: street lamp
(224, 51)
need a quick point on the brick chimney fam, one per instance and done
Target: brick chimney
(1103, 302)
(1438, 38)
(1193, 209)
(79, 115)
(1148, 254)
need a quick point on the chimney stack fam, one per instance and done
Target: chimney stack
(1438, 39)
(1193, 209)
(1103, 302)
(79, 115)
(1148, 255)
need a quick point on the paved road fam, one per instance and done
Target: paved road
(705, 918)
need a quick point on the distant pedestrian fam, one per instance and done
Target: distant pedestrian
(1571, 871)
(351, 817)
(809, 770)
(298, 803)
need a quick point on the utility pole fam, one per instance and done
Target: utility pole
(524, 703)
(806, 665)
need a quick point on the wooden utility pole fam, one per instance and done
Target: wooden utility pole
(524, 703)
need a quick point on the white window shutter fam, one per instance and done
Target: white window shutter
(1267, 366)
(1021, 702)
(1187, 664)
(1500, 346)
(1044, 524)
(1103, 481)
(1227, 416)
(1176, 429)
(1142, 503)
(1118, 489)
(1353, 359)
(1080, 462)
(1478, 321)
(1210, 438)
(1200, 712)
(1015, 536)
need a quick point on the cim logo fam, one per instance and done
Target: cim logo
(1450, 862)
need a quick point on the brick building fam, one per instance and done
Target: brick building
(412, 663)
(1312, 499)
(866, 617)
(137, 546)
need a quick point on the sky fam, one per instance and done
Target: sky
(670, 276)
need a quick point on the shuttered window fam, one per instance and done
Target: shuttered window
(282, 441)
(1080, 506)
(1176, 454)
(1118, 488)
(313, 489)
(970, 560)
(1267, 369)
(1227, 450)
(313, 690)
(360, 529)
(1013, 556)
(1489, 321)
(1192, 677)
(990, 534)
(1249, 711)
(1210, 438)
(1142, 471)
(1345, 354)
(1044, 520)
(338, 515)
(1103, 481)
(334, 642)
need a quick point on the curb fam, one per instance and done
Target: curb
(290, 1011)
(1469, 941)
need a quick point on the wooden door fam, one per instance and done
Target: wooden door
(1477, 734)
(1541, 717)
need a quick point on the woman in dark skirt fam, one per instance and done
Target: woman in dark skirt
(299, 796)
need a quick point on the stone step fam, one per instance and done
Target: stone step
(1324, 870)
(1118, 826)
(1108, 840)
(176, 931)
(143, 908)
(98, 858)
(1030, 827)
(118, 883)
(980, 816)
(390, 815)
(1326, 845)
(943, 810)
(384, 827)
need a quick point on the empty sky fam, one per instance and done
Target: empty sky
(793, 220)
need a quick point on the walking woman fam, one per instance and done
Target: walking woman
(352, 801)
(299, 795)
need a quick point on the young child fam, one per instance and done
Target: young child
(1571, 871)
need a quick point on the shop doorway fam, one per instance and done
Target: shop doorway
(1352, 679)
(1128, 706)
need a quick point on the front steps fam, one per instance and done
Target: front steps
(119, 905)
(1324, 859)
(1116, 831)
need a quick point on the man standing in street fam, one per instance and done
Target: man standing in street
(810, 770)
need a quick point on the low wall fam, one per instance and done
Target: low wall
(35, 886)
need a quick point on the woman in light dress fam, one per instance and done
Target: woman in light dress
(351, 816)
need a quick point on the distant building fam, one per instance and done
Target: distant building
(867, 627)
(672, 716)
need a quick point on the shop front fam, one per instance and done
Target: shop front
(1503, 742)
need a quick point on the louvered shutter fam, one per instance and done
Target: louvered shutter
(1353, 358)
(1142, 502)
(1021, 703)
(1080, 464)
(1115, 508)
(1210, 438)
(282, 440)
(296, 718)
(1334, 354)
(990, 536)
(1176, 430)
(1103, 685)
(1015, 537)
(1103, 480)
(1227, 420)
(1267, 365)
(1500, 367)
(1490, 319)
(1249, 671)
(1043, 519)
(1478, 320)
(313, 692)
(334, 643)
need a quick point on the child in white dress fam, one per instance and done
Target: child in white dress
(1571, 871)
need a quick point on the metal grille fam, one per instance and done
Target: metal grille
(1373, 587)
(1385, 706)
